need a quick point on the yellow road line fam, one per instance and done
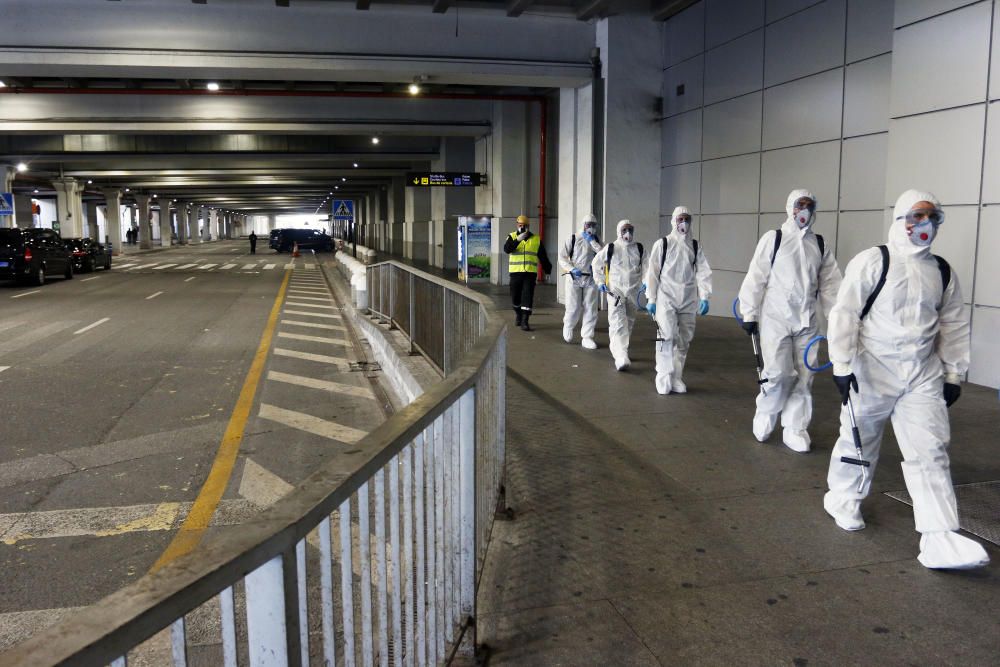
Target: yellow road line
(191, 531)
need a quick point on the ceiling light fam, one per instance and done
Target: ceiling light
(414, 89)
(2, 84)
(154, 196)
(355, 165)
(375, 140)
(89, 182)
(336, 187)
(22, 167)
(212, 86)
(126, 189)
(36, 191)
(343, 179)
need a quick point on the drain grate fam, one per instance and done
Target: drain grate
(978, 508)
(365, 367)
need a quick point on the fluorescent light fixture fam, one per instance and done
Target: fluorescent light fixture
(212, 86)
(343, 179)
(22, 167)
(126, 189)
(35, 191)
(375, 140)
(414, 89)
(355, 165)
(89, 182)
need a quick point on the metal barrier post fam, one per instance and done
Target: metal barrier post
(392, 296)
(445, 366)
(467, 509)
(266, 640)
(413, 319)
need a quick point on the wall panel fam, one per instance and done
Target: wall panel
(804, 111)
(735, 68)
(681, 137)
(862, 174)
(728, 19)
(729, 240)
(815, 167)
(805, 43)
(680, 185)
(689, 75)
(869, 28)
(732, 127)
(730, 185)
(866, 96)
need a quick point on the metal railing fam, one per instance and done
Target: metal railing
(404, 516)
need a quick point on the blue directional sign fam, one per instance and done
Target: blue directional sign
(343, 209)
(6, 203)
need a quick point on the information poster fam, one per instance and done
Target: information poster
(474, 248)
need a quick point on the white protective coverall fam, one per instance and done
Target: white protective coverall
(913, 340)
(581, 293)
(782, 298)
(623, 282)
(676, 286)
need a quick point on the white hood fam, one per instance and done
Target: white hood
(590, 217)
(899, 240)
(794, 196)
(679, 211)
(618, 232)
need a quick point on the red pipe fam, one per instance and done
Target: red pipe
(540, 99)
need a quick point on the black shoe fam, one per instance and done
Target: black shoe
(520, 315)
(524, 324)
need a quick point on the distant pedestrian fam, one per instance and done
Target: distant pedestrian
(253, 243)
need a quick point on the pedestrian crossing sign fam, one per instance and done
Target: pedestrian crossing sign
(343, 209)
(6, 203)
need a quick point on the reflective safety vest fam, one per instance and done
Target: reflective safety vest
(525, 258)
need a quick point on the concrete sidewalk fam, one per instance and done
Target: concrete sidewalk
(655, 530)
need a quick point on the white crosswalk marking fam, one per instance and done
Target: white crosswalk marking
(124, 266)
(308, 305)
(164, 266)
(340, 362)
(268, 267)
(184, 266)
(308, 290)
(314, 339)
(302, 312)
(324, 385)
(290, 265)
(314, 325)
(226, 267)
(310, 424)
(207, 266)
(311, 298)
(249, 266)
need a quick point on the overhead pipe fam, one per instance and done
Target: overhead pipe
(540, 99)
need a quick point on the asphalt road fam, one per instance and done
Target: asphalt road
(116, 390)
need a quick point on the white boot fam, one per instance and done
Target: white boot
(589, 343)
(567, 335)
(947, 550)
(678, 386)
(623, 364)
(763, 426)
(847, 513)
(796, 440)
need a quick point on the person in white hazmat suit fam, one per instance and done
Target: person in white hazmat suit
(899, 337)
(617, 268)
(792, 269)
(679, 283)
(575, 257)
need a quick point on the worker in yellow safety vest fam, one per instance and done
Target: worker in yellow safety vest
(526, 252)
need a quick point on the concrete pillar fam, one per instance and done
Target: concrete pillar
(631, 54)
(166, 223)
(181, 214)
(112, 218)
(272, 220)
(23, 217)
(576, 161)
(417, 217)
(456, 154)
(207, 216)
(8, 172)
(93, 231)
(69, 207)
(220, 224)
(145, 230)
(396, 214)
(133, 220)
(504, 155)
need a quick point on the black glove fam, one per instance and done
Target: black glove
(750, 328)
(844, 384)
(951, 393)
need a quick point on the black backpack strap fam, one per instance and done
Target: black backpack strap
(641, 250)
(945, 269)
(663, 255)
(881, 281)
(822, 245)
(572, 246)
(777, 244)
(611, 253)
(695, 242)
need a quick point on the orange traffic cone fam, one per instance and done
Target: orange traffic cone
(295, 250)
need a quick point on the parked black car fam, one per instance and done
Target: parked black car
(282, 240)
(88, 254)
(32, 254)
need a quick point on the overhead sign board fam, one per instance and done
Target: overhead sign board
(343, 209)
(6, 203)
(442, 179)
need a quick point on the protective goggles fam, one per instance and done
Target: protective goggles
(919, 216)
(803, 204)
(627, 229)
(684, 217)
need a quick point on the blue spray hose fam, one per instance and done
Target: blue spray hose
(736, 310)
(805, 356)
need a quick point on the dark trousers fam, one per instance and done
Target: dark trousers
(253, 247)
(522, 290)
